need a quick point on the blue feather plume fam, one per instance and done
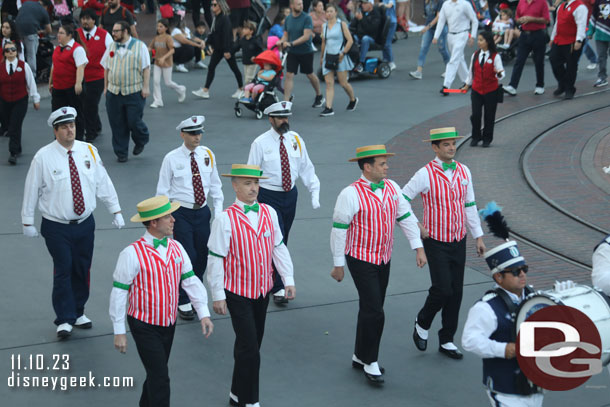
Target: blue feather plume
(492, 214)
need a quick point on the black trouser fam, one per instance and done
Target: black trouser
(154, 345)
(207, 11)
(92, 93)
(67, 97)
(11, 117)
(446, 261)
(184, 53)
(216, 57)
(489, 102)
(248, 319)
(371, 282)
(530, 41)
(564, 62)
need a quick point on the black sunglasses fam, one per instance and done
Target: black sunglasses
(516, 271)
(213, 4)
(11, 49)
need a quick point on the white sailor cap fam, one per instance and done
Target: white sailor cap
(62, 115)
(279, 109)
(193, 125)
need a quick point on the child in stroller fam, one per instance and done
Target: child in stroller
(264, 77)
(261, 92)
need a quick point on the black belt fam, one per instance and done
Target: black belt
(459, 32)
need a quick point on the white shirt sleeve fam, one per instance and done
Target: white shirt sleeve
(442, 20)
(499, 67)
(255, 157)
(31, 84)
(472, 214)
(554, 31)
(33, 184)
(105, 188)
(127, 268)
(408, 221)
(281, 256)
(218, 245)
(105, 58)
(480, 324)
(108, 40)
(470, 73)
(474, 22)
(193, 287)
(580, 17)
(144, 56)
(346, 207)
(601, 268)
(216, 189)
(80, 56)
(418, 184)
(165, 176)
(307, 172)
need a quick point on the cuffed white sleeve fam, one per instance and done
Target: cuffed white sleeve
(218, 248)
(346, 207)
(472, 214)
(407, 221)
(127, 268)
(281, 255)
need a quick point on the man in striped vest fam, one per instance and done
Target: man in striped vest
(449, 206)
(126, 85)
(148, 275)
(363, 235)
(244, 240)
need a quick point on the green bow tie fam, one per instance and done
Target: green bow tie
(248, 208)
(162, 242)
(449, 166)
(375, 186)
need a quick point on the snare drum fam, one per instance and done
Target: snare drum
(589, 301)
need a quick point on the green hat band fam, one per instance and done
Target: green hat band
(246, 171)
(439, 136)
(370, 152)
(154, 212)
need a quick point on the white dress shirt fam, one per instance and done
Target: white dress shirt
(601, 267)
(265, 152)
(459, 17)
(79, 55)
(420, 184)
(220, 241)
(176, 177)
(347, 207)
(485, 56)
(48, 183)
(144, 55)
(91, 33)
(480, 325)
(128, 267)
(580, 17)
(30, 81)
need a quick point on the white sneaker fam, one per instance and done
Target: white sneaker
(64, 330)
(443, 75)
(510, 90)
(181, 94)
(181, 68)
(238, 94)
(201, 93)
(83, 322)
(155, 105)
(392, 66)
(538, 90)
(202, 65)
(415, 74)
(592, 66)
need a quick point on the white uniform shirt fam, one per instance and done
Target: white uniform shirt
(176, 177)
(601, 267)
(29, 79)
(128, 267)
(485, 55)
(580, 17)
(91, 33)
(459, 17)
(48, 182)
(480, 325)
(79, 55)
(220, 241)
(420, 183)
(144, 54)
(265, 152)
(347, 207)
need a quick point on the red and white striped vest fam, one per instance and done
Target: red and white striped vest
(153, 295)
(248, 271)
(444, 211)
(370, 236)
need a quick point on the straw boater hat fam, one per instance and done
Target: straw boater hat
(370, 151)
(245, 171)
(154, 208)
(444, 133)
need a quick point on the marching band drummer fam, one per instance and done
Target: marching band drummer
(601, 266)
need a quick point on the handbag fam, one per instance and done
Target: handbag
(500, 94)
(331, 61)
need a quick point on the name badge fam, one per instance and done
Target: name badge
(178, 260)
(19, 69)
(267, 233)
(464, 182)
(97, 38)
(57, 172)
(489, 61)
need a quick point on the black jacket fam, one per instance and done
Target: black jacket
(221, 37)
(369, 25)
(250, 48)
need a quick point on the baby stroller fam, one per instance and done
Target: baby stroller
(268, 96)
(44, 59)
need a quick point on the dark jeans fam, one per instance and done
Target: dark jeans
(184, 53)
(154, 345)
(92, 93)
(11, 117)
(530, 41)
(71, 247)
(125, 116)
(192, 230)
(564, 62)
(371, 282)
(285, 204)
(248, 319)
(67, 97)
(602, 58)
(489, 102)
(215, 59)
(446, 262)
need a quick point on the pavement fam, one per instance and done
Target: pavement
(308, 344)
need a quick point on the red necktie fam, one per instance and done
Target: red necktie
(197, 185)
(77, 193)
(286, 180)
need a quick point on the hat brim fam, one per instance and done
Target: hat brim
(243, 176)
(440, 139)
(370, 156)
(286, 114)
(173, 208)
(193, 132)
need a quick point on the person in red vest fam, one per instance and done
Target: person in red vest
(485, 70)
(17, 83)
(96, 5)
(568, 34)
(67, 73)
(97, 40)
(449, 208)
(244, 240)
(147, 277)
(363, 236)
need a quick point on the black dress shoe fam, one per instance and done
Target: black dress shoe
(233, 402)
(279, 299)
(474, 142)
(443, 91)
(486, 144)
(558, 92)
(375, 379)
(420, 343)
(12, 160)
(569, 95)
(122, 159)
(360, 366)
(453, 354)
(138, 149)
(186, 315)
